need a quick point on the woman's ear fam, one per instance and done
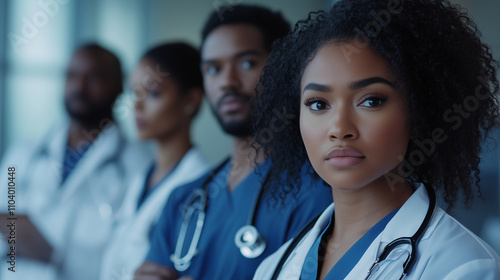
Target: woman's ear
(194, 98)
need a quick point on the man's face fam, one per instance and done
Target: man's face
(91, 87)
(232, 60)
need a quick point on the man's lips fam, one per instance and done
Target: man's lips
(344, 158)
(233, 103)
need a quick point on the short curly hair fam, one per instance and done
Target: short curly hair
(433, 48)
(271, 24)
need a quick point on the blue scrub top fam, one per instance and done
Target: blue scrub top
(71, 159)
(218, 257)
(347, 262)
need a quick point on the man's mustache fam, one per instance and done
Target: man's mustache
(235, 94)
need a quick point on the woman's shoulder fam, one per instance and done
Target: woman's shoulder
(454, 250)
(450, 231)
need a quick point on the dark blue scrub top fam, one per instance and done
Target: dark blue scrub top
(146, 192)
(218, 257)
(349, 260)
(71, 159)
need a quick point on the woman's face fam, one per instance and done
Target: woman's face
(352, 120)
(160, 108)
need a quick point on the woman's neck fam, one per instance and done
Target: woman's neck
(357, 211)
(364, 207)
(168, 154)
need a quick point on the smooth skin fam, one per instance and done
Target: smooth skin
(164, 114)
(355, 129)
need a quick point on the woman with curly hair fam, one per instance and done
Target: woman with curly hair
(392, 100)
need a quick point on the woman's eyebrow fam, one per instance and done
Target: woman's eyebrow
(354, 85)
(369, 81)
(316, 87)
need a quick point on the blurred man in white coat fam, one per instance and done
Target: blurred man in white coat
(69, 184)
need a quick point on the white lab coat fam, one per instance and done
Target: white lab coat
(131, 241)
(447, 250)
(75, 217)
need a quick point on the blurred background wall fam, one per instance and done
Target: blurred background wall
(39, 36)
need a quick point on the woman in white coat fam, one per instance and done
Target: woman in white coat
(169, 91)
(393, 99)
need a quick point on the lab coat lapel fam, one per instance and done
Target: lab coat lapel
(56, 149)
(292, 268)
(177, 177)
(46, 171)
(401, 225)
(128, 208)
(103, 149)
(404, 224)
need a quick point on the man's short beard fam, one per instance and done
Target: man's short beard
(241, 129)
(95, 116)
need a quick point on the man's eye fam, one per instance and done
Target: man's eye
(212, 69)
(247, 64)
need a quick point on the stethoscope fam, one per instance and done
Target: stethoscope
(412, 241)
(248, 239)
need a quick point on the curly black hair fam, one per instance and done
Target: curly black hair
(271, 24)
(433, 48)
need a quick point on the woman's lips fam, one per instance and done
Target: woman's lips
(344, 158)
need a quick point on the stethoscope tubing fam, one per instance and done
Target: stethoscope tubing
(182, 263)
(413, 241)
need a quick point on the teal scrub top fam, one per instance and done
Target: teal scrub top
(218, 257)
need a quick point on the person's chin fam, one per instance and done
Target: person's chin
(235, 118)
(81, 115)
(239, 115)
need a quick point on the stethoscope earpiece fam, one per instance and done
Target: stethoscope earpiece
(251, 243)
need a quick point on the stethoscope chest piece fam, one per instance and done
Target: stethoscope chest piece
(251, 243)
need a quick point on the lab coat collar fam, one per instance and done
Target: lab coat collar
(177, 177)
(416, 208)
(401, 225)
(107, 146)
(404, 224)
(54, 145)
(292, 268)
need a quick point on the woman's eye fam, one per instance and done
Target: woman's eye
(373, 101)
(316, 105)
(247, 64)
